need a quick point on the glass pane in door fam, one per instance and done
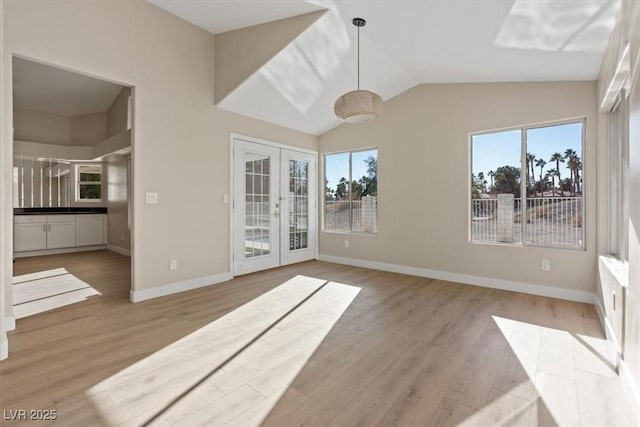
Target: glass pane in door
(257, 227)
(298, 204)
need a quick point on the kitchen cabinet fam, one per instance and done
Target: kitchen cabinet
(43, 232)
(30, 233)
(90, 230)
(61, 231)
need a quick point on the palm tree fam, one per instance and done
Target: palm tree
(481, 181)
(552, 173)
(492, 174)
(571, 157)
(541, 164)
(532, 178)
(577, 174)
(557, 157)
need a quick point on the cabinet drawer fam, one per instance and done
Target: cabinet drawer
(30, 219)
(51, 219)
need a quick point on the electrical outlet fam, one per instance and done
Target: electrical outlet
(545, 264)
(151, 198)
(346, 243)
(173, 264)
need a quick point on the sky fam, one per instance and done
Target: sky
(493, 150)
(337, 166)
(490, 151)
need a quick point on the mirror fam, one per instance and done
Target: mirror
(40, 182)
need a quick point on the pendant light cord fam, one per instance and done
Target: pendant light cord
(358, 58)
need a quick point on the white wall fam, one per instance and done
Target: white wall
(6, 214)
(180, 139)
(119, 234)
(48, 128)
(626, 31)
(118, 112)
(632, 320)
(423, 172)
(39, 126)
(88, 129)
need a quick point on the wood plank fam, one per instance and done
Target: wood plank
(377, 348)
(46, 287)
(52, 302)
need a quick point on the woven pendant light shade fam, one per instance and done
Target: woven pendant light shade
(358, 106)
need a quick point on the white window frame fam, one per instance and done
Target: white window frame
(619, 178)
(78, 183)
(523, 182)
(323, 180)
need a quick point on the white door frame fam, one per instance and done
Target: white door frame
(232, 137)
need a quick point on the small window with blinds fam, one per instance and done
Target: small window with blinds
(89, 179)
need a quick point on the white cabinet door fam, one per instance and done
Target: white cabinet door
(90, 229)
(30, 237)
(61, 235)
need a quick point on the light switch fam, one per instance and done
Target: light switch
(226, 198)
(152, 197)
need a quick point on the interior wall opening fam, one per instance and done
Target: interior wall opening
(71, 187)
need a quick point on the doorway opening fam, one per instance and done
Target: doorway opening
(71, 181)
(274, 205)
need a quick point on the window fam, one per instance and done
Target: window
(540, 206)
(618, 178)
(89, 178)
(351, 191)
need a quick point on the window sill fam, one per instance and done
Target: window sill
(353, 233)
(520, 245)
(619, 269)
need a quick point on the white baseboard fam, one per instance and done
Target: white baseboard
(630, 390)
(4, 346)
(119, 250)
(608, 330)
(173, 288)
(59, 251)
(487, 282)
(9, 323)
(600, 312)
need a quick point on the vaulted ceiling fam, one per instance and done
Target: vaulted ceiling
(405, 43)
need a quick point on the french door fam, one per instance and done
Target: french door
(275, 208)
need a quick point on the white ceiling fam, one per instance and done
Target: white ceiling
(43, 88)
(219, 16)
(408, 42)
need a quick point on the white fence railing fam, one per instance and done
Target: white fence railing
(548, 221)
(338, 214)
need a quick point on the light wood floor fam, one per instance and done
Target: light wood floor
(309, 344)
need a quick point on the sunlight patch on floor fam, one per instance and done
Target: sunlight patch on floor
(45, 290)
(233, 370)
(553, 377)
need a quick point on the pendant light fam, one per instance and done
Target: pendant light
(359, 105)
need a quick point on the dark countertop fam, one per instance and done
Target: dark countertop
(58, 211)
